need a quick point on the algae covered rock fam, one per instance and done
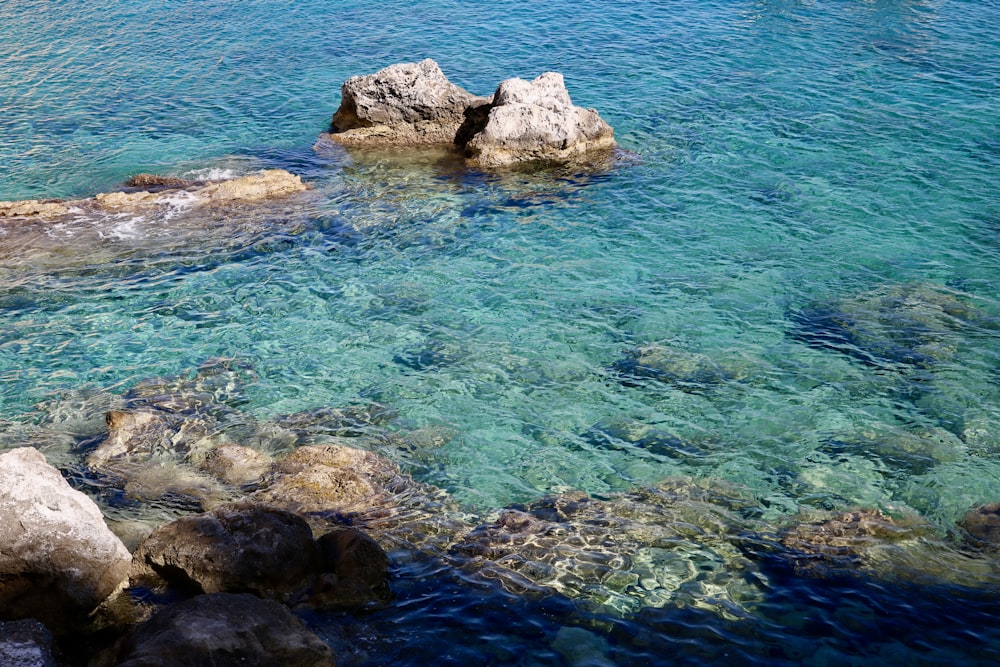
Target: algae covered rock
(59, 559)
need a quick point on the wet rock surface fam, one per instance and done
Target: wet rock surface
(26, 643)
(224, 630)
(59, 559)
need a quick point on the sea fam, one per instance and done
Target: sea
(786, 285)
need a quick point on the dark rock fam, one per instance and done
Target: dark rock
(26, 643)
(59, 560)
(982, 525)
(688, 371)
(224, 630)
(153, 183)
(239, 548)
(355, 572)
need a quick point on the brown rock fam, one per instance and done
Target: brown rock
(355, 571)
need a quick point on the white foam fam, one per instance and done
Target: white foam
(211, 174)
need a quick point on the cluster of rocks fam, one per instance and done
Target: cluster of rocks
(411, 104)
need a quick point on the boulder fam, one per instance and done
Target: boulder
(238, 548)
(536, 121)
(222, 630)
(26, 643)
(406, 103)
(59, 559)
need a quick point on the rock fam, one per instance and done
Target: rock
(238, 548)
(982, 526)
(236, 464)
(414, 103)
(688, 371)
(673, 544)
(26, 643)
(266, 184)
(224, 630)
(32, 207)
(154, 182)
(59, 559)
(913, 450)
(536, 121)
(355, 572)
(138, 436)
(331, 478)
(406, 103)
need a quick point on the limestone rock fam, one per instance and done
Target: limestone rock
(59, 559)
(536, 121)
(224, 630)
(263, 185)
(236, 464)
(406, 103)
(32, 207)
(26, 643)
(239, 548)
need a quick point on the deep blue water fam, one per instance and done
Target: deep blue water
(794, 160)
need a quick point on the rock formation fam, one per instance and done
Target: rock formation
(59, 559)
(414, 103)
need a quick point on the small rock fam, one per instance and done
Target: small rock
(355, 571)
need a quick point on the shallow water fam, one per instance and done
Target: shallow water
(793, 160)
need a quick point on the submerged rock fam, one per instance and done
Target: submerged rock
(686, 370)
(535, 121)
(224, 630)
(914, 325)
(673, 544)
(59, 559)
(982, 527)
(406, 103)
(912, 451)
(414, 103)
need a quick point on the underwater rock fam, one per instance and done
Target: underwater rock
(59, 559)
(236, 464)
(26, 643)
(238, 548)
(913, 451)
(982, 527)
(143, 435)
(530, 121)
(224, 630)
(688, 371)
(673, 544)
(216, 387)
(406, 103)
(637, 436)
(915, 325)
(523, 121)
(351, 421)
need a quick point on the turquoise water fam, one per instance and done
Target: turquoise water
(790, 157)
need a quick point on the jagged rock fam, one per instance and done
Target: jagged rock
(414, 103)
(239, 548)
(59, 559)
(406, 103)
(536, 121)
(224, 630)
(26, 643)
(32, 207)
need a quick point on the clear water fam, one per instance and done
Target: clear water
(789, 154)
